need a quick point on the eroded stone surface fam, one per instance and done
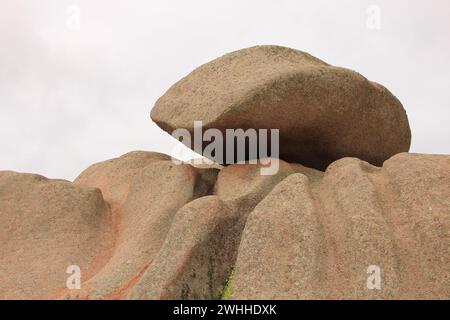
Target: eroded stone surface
(323, 112)
(148, 190)
(317, 240)
(179, 231)
(45, 227)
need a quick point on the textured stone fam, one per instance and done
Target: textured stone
(45, 227)
(114, 176)
(148, 191)
(180, 231)
(323, 112)
(197, 255)
(317, 241)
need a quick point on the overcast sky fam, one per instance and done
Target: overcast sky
(77, 91)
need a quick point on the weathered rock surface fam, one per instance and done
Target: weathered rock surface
(204, 232)
(113, 177)
(374, 225)
(150, 192)
(45, 227)
(317, 241)
(196, 256)
(199, 252)
(324, 112)
(242, 187)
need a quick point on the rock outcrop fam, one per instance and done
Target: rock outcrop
(148, 190)
(323, 112)
(317, 241)
(347, 217)
(45, 227)
(182, 232)
(200, 250)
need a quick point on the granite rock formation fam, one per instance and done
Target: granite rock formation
(347, 215)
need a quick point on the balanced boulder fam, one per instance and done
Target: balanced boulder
(323, 112)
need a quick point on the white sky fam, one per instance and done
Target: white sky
(71, 97)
